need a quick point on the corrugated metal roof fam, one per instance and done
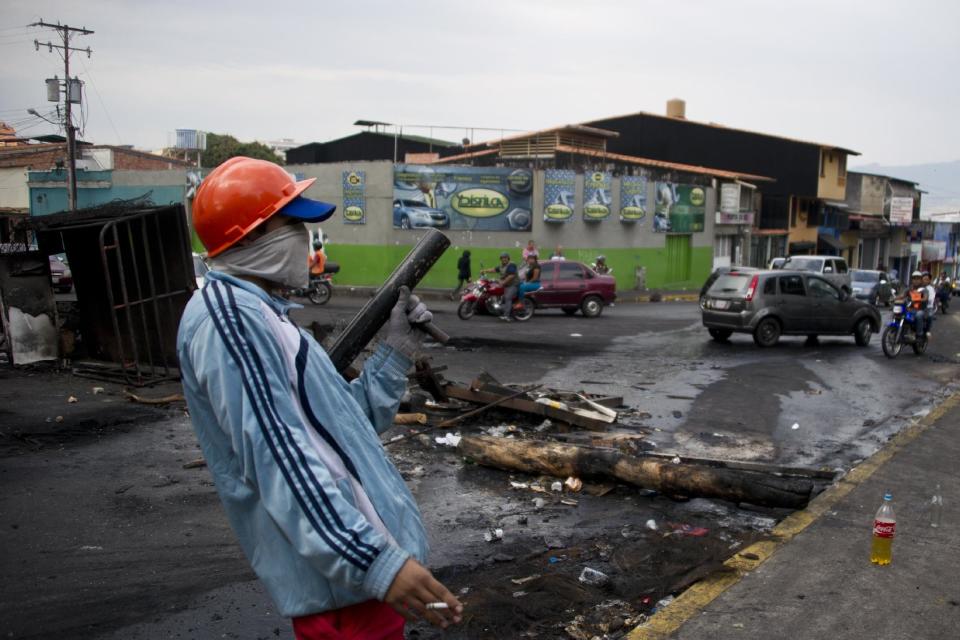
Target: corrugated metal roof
(660, 164)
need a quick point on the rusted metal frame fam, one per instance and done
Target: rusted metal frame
(154, 296)
(526, 406)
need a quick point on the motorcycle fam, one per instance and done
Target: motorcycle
(320, 288)
(486, 296)
(901, 330)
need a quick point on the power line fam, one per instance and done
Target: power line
(103, 104)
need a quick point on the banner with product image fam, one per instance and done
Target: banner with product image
(559, 187)
(680, 208)
(633, 198)
(597, 195)
(468, 198)
(354, 197)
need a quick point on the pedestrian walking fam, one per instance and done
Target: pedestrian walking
(323, 516)
(463, 273)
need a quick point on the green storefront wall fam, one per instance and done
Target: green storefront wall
(369, 265)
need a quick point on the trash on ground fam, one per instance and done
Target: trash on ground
(195, 464)
(72, 399)
(449, 440)
(556, 487)
(688, 530)
(493, 535)
(538, 503)
(519, 581)
(593, 577)
(570, 502)
(519, 485)
(543, 426)
(662, 604)
(652, 524)
(574, 484)
(98, 390)
(519, 594)
(576, 335)
(675, 460)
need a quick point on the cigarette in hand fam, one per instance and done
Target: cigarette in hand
(437, 605)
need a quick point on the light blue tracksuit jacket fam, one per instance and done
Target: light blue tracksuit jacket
(321, 513)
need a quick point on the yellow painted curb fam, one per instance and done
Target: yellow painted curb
(692, 601)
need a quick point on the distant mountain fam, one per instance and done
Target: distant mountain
(941, 181)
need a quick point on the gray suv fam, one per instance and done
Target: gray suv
(768, 304)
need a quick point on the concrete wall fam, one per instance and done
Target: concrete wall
(367, 253)
(830, 185)
(14, 193)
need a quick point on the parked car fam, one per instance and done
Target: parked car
(719, 271)
(830, 268)
(60, 276)
(413, 214)
(768, 304)
(573, 286)
(876, 287)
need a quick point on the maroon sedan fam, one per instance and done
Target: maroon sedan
(572, 285)
(60, 275)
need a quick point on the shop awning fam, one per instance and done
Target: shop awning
(803, 245)
(833, 242)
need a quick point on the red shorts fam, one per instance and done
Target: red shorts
(370, 620)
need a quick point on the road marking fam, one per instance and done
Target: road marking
(692, 601)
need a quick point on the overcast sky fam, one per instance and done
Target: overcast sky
(878, 76)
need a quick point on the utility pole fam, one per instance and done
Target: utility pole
(65, 33)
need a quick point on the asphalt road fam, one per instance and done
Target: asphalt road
(826, 405)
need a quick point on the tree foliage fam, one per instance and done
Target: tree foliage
(222, 147)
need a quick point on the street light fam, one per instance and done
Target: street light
(33, 112)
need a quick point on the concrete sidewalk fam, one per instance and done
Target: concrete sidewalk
(821, 583)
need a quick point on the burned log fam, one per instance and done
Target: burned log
(563, 460)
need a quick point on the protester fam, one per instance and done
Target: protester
(322, 515)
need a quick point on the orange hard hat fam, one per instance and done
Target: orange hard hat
(241, 194)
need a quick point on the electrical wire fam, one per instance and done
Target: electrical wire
(103, 104)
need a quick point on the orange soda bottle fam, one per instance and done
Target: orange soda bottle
(884, 524)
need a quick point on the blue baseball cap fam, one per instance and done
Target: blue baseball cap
(308, 210)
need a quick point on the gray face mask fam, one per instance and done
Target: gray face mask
(279, 256)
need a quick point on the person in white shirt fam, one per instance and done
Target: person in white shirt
(931, 302)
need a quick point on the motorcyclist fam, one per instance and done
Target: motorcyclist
(317, 260)
(600, 266)
(917, 300)
(943, 293)
(509, 279)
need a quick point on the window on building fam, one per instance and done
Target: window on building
(842, 167)
(722, 247)
(823, 163)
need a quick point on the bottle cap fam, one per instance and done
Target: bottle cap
(888, 496)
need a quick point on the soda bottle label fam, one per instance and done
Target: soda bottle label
(883, 529)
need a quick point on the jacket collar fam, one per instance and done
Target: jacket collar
(280, 305)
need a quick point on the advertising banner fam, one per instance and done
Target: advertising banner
(933, 251)
(680, 208)
(597, 196)
(354, 197)
(901, 211)
(474, 198)
(729, 211)
(559, 186)
(633, 198)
